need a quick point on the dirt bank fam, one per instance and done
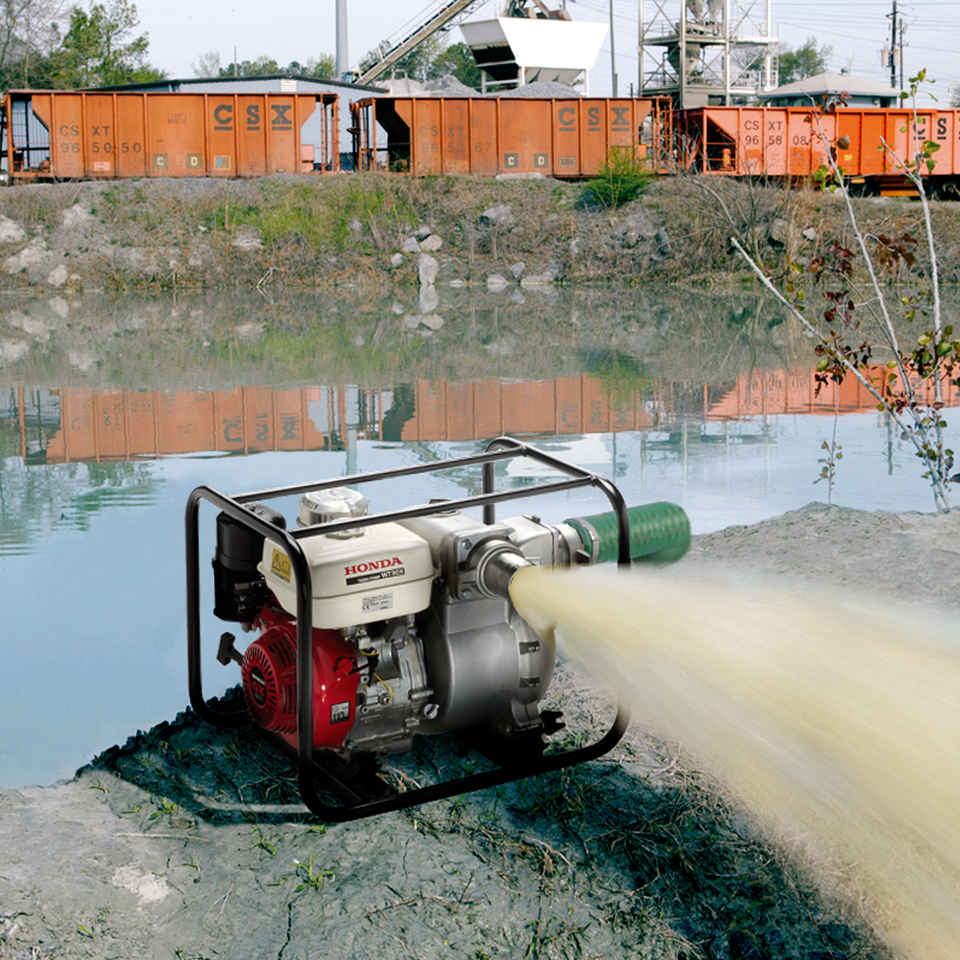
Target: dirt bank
(182, 843)
(366, 233)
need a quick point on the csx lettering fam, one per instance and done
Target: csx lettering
(223, 117)
(567, 116)
(620, 121)
(941, 128)
(593, 117)
(101, 132)
(253, 116)
(72, 131)
(751, 124)
(369, 565)
(280, 118)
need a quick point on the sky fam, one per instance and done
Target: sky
(181, 30)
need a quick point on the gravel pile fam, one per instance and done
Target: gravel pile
(540, 88)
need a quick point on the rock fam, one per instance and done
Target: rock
(253, 330)
(31, 326)
(356, 228)
(543, 278)
(429, 299)
(663, 241)
(500, 215)
(396, 260)
(410, 245)
(10, 231)
(12, 350)
(83, 360)
(57, 276)
(31, 255)
(810, 234)
(635, 226)
(517, 269)
(496, 281)
(517, 297)
(532, 175)
(432, 321)
(397, 308)
(422, 232)
(411, 321)
(457, 284)
(247, 238)
(76, 216)
(431, 244)
(59, 306)
(778, 231)
(358, 339)
(427, 269)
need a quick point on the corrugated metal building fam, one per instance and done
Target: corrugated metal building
(275, 83)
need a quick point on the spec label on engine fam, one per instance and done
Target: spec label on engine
(280, 565)
(377, 602)
(340, 712)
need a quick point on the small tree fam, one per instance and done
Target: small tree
(807, 60)
(845, 346)
(29, 30)
(100, 49)
(456, 61)
(320, 68)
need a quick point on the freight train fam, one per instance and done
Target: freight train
(76, 135)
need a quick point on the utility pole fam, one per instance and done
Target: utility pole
(902, 28)
(613, 56)
(639, 48)
(893, 44)
(343, 56)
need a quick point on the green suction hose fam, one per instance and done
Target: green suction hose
(658, 531)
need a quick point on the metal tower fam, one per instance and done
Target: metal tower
(702, 52)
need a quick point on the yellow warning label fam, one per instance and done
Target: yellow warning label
(280, 565)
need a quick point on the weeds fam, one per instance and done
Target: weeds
(622, 178)
(310, 877)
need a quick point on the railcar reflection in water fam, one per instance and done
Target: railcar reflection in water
(78, 423)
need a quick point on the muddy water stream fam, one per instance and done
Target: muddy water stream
(832, 716)
(111, 411)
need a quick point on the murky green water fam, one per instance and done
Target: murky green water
(112, 410)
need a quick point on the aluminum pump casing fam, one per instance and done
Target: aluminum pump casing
(486, 665)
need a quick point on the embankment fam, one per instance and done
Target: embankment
(182, 843)
(371, 232)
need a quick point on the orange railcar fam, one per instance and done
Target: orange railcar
(490, 135)
(794, 141)
(73, 135)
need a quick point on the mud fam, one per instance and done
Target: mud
(188, 842)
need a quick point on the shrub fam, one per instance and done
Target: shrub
(621, 179)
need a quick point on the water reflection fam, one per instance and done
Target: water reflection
(116, 410)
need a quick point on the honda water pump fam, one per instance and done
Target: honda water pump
(372, 629)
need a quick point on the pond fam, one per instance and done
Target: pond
(122, 406)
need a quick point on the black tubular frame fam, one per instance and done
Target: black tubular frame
(311, 773)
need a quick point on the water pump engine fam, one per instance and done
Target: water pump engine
(411, 629)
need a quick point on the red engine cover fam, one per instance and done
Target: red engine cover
(269, 671)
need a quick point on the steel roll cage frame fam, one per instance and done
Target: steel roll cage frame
(311, 773)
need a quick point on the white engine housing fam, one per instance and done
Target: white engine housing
(383, 572)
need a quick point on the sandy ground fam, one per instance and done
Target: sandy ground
(188, 843)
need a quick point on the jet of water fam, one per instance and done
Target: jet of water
(835, 718)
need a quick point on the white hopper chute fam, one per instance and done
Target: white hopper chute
(516, 50)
